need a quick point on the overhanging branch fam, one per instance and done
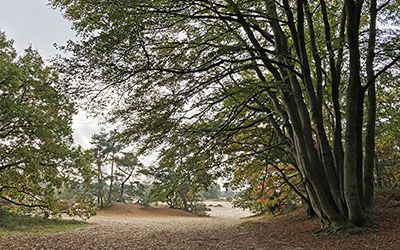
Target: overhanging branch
(23, 204)
(380, 72)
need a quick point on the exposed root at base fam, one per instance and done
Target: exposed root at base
(346, 230)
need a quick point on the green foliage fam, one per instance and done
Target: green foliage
(146, 198)
(199, 208)
(388, 196)
(180, 177)
(200, 118)
(37, 156)
(387, 132)
(264, 191)
(11, 224)
(232, 89)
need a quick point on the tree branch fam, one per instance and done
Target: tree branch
(23, 204)
(380, 72)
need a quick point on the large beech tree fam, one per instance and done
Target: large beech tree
(174, 63)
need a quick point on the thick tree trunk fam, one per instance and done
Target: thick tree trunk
(338, 151)
(369, 160)
(356, 215)
(316, 184)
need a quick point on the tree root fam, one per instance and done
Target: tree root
(346, 230)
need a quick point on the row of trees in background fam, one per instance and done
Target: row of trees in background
(115, 170)
(120, 177)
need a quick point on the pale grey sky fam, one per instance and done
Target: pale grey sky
(33, 22)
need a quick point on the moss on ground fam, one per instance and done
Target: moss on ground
(13, 224)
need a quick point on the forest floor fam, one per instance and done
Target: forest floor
(131, 227)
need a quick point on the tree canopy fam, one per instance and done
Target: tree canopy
(221, 74)
(37, 159)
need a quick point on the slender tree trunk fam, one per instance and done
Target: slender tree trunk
(122, 189)
(369, 160)
(379, 172)
(359, 152)
(109, 200)
(100, 199)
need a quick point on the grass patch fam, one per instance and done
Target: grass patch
(12, 224)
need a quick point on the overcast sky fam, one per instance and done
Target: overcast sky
(33, 22)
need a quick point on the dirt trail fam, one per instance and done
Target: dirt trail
(131, 227)
(126, 229)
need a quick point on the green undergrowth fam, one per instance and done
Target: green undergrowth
(14, 224)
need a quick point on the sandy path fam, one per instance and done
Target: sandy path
(142, 233)
(124, 231)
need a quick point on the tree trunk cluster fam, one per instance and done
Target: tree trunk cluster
(338, 171)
